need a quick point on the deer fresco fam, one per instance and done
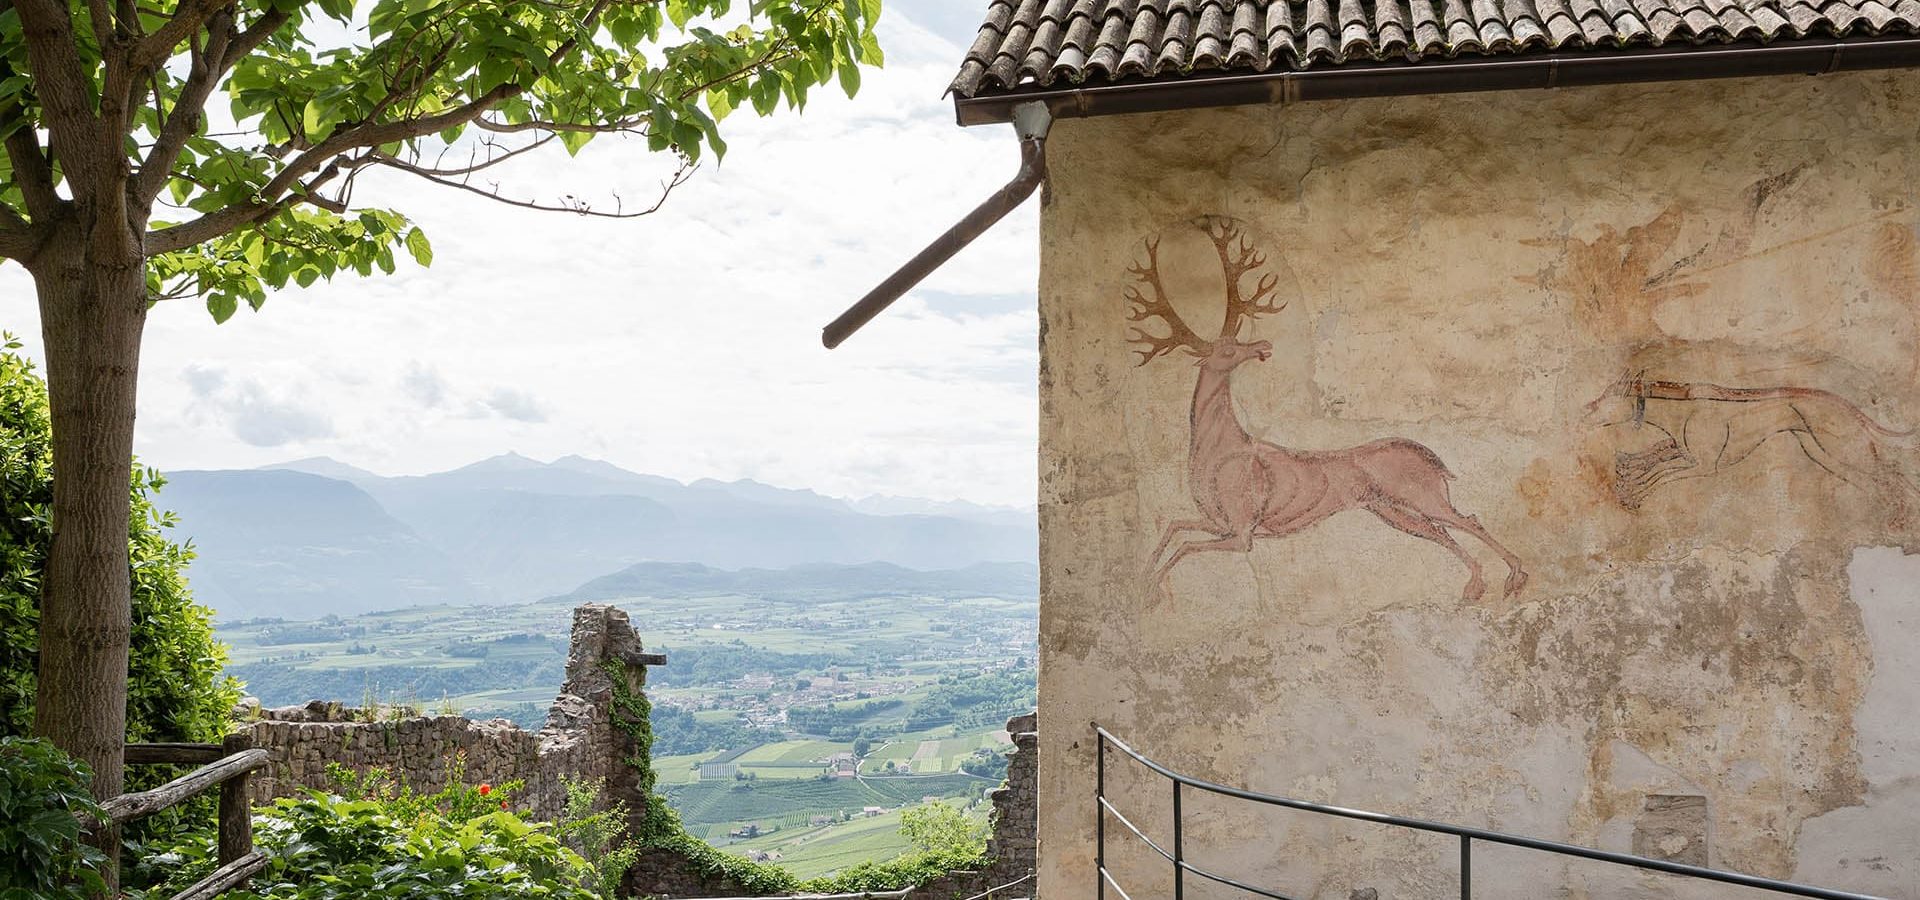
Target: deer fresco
(1246, 489)
(1705, 429)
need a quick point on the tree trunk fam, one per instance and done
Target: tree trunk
(93, 307)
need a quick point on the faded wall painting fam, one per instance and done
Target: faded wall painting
(1248, 490)
(1635, 368)
(1700, 430)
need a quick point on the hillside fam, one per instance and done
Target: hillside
(285, 543)
(316, 537)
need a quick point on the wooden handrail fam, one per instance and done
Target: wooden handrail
(225, 770)
(139, 805)
(155, 754)
(226, 878)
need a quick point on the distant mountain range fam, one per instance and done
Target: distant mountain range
(655, 579)
(315, 537)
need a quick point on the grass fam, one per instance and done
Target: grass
(709, 803)
(810, 851)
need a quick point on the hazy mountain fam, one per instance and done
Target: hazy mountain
(511, 528)
(325, 468)
(886, 505)
(286, 543)
(692, 579)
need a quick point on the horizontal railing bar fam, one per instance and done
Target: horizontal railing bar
(1130, 827)
(128, 807)
(225, 878)
(1203, 873)
(1497, 837)
(153, 754)
(1116, 885)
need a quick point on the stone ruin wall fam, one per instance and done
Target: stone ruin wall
(580, 741)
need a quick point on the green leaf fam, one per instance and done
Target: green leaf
(222, 307)
(850, 78)
(419, 247)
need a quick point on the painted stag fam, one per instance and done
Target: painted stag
(1246, 489)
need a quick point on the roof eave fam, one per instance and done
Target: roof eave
(1808, 56)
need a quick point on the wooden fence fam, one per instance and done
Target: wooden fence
(224, 767)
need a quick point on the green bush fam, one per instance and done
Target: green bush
(176, 690)
(43, 794)
(330, 848)
(378, 840)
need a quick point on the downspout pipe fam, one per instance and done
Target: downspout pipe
(1030, 122)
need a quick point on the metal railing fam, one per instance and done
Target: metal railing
(1182, 867)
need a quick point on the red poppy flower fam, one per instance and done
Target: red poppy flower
(486, 789)
(503, 804)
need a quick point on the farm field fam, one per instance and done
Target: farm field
(712, 808)
(758, 693)
(813, 851)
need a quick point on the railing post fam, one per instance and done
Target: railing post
(1466, 868)
(236, 820)
(1100, 813)
(1179, 854)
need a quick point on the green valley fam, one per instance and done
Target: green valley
(798, 713)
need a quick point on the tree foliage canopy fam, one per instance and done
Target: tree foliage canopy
(176, 689)
(319, 91)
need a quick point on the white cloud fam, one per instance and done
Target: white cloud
(517, 405)
(684, 343)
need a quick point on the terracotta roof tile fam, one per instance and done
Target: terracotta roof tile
(1050, 42)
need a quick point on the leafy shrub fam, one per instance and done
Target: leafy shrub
(175, 689)
(43, 794)
(330, 848)
(600, 837)
(458, 802)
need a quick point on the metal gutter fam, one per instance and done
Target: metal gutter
(1812, 56)
(1031, 122)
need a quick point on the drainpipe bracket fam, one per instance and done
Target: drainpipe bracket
(1032, 120)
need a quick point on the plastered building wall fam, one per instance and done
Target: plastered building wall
(1551, 474)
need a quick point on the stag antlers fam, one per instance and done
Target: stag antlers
(1238, 258)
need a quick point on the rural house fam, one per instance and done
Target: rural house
(1498, 413)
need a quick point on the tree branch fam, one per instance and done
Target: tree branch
(577, 207)
(63, 87)
(576, 127)
(32, 173)
(18, 237)
(203, 76)
(344, 140)
(155, 49)
(472, 167)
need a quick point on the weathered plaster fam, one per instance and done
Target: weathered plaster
(1697, 666)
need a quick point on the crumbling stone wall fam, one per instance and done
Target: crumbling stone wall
(579, 740)
(589, 734)
(1013, 850)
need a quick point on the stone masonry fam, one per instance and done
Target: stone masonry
(581, 740)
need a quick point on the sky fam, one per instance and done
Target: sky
(684, 344)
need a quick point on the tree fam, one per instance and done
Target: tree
(176, 689)
(115, 194)
(939, 828)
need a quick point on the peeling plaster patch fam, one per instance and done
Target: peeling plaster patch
(1874, 846)
(1672, 827)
